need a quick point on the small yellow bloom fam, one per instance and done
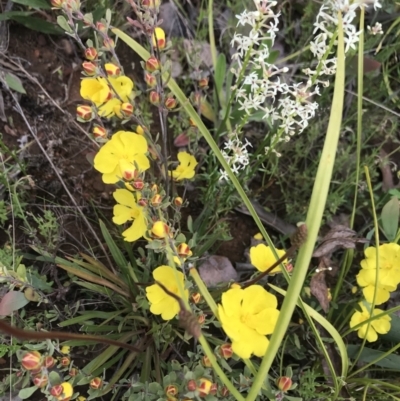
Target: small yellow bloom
(247, 316)
(67, 392)
(160, 302)
(185, 169)
(112, 70)
(381, 325)
(158, 38)
(65, 349)
(81, 398)
(96, 90)
(128, 210)
(258, 236)
(123, 148)
(262, 257)
(160, 229)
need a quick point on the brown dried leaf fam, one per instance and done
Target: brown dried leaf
(318, 285)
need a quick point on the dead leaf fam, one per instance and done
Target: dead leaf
(318, 286)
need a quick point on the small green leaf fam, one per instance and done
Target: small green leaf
(63, 23)
(11, 302)
(43, 4)
(220, 70)
(27, 392)
(390, 218)
(190, 224)
(11, 14)
(39, 24)
(14, 83)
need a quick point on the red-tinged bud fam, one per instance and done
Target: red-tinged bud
(171, 390)
(89, 68)
(214, 389)
(224, 391)
(56, 390)
(99, 132)
(142, 202)
(160, 229)
(225, 350)
(109, 44)
(152, 64)
(41, 380)
(73, 372)
(151, 4)
(49, 362)
(158, 38)
(90, 53)
(201, 319)
(128, 170)
(196, 297)
(170, 103)
(182, 140)
(191, 385)
(196, 98)
(154, 188)
(289, 267)
(126, 109)
(84, 112)
(96, 383)
(150, 79)
(205, 361)
(101, 26)
(156, 200)
(184, 250)
(31, 360)
(192, 123)
(203, 83)
(154, 98)
(204, 387)
(178, 201)
(19, 373)
(73, 5)
(112, 70)
(57, 3)
(284, 383)
(35, 372)
(138, 185)
(65, 361)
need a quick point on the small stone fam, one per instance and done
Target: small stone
(216, 270)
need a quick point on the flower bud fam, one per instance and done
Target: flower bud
(214, 389)
(101, 26)
(151, 4)
(138, 185)
(65, 349)
(289, 267)
(205, 361)
(73, 372)
(35, 372)
(354, 289)
(127, 169)
(41, 380)
(31, 360)
(203, 83)
(126, 109)
(99, 132)
(170, 103)
(201, 319)
(154, 98)
(90, 53)
(224, 391)
(57, 3)
(89, 68)
(152, 64)
(191, 385)
(112, 70)
(65, 361)
(196, 297)
(204, 387)
(171, 390)
(56, 390)
(154, 188)
(142, 202)
(150, 79)
(139, 130)
(160, 229)
(184, 250)
(192, 123)
(225, 350)
(84, 112)
(196, 98)
(158, 38)
(284, 383)
(109, 44)
(156, 200)
(95, 383)
(49, 362)
(178, 201)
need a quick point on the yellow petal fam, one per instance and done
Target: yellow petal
(125, 197)
(121, 214)
(135, 143)
(382, 294)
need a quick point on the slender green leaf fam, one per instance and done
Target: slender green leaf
(390, 218)
(43, 4)
(14, 83)
(368, 355)
(39, 24)
(12, 14)
(27, 392)
(220, 70)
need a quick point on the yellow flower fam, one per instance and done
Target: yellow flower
(158, 38)
(381, 325)
(67, 392)
(388, 275)
(247, 316)
(96, 90)
(187, 164)
(124, 152)
(65, 349)
(123, 86)
(262, 257)
(160, 302)
(127, 210)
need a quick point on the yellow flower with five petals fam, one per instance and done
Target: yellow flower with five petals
(185, 169)
(262, 257)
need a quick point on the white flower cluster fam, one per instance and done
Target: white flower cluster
(236, 155)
